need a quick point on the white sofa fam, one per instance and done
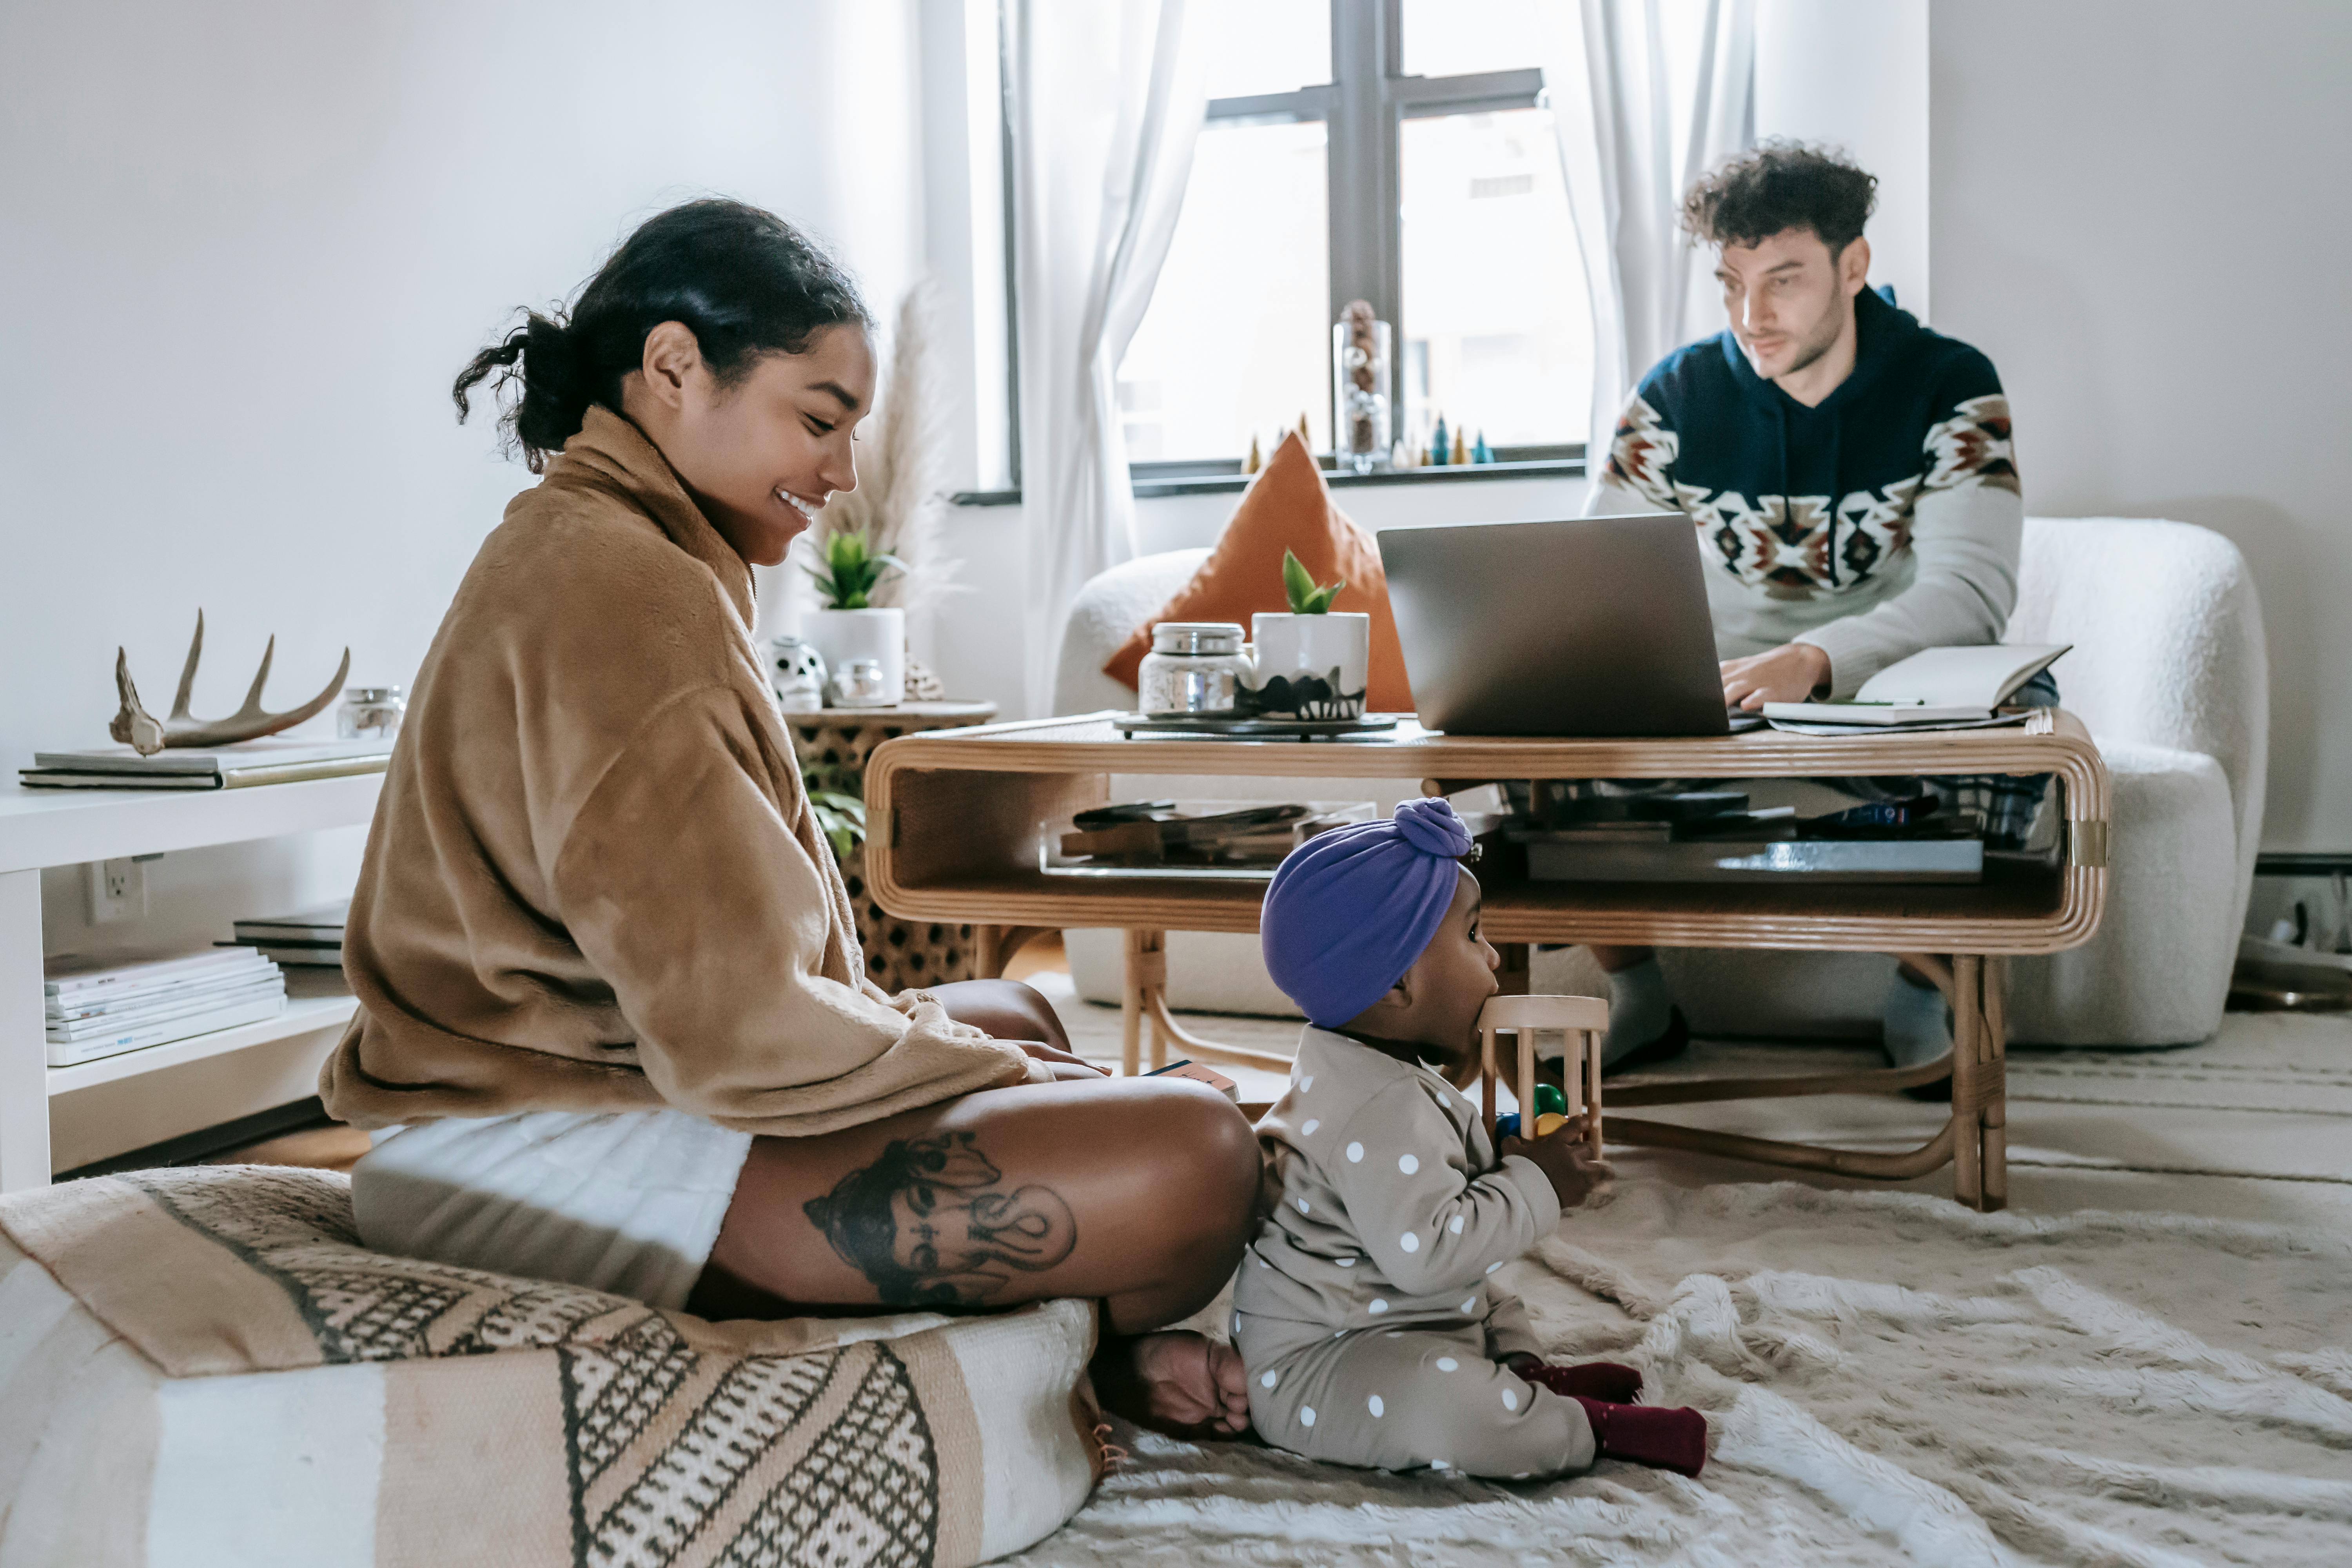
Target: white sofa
(2168, 671)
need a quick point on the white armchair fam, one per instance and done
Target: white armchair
(2168, 671)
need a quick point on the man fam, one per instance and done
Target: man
(1850, 474)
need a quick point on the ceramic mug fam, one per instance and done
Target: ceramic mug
(1310, 666)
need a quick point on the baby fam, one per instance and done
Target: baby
(1366, 1310)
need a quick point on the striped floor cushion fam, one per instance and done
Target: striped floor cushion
(203, 1366)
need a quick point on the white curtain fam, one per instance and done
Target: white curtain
(1106, 101)
(1669, 90)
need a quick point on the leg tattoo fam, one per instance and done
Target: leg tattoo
(927, 1226)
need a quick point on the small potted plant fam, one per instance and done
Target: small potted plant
(1311, 662)
(864, 645)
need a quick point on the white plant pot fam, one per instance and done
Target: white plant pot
(847, 637)
(1297, 648)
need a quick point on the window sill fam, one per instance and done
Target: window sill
(1216, 484)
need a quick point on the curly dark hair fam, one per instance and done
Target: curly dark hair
(1781, 185)
(743, 280)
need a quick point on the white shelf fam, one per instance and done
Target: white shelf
(302, 1016)
(63, 827)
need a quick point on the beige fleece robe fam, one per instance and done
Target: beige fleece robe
(594, 882)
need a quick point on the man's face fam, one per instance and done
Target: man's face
(1789, 299)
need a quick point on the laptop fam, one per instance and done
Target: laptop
(1589, 627)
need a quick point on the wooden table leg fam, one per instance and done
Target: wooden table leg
(993, 947)
(1146, 963)
(1993, 1084)
(1967, 1028)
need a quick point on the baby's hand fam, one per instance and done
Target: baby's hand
(1565, 1156)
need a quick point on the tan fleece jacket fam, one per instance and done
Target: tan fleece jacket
(594, 882)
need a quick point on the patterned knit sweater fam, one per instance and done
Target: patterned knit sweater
(1882, 522)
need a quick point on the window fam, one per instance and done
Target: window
(1395, 150)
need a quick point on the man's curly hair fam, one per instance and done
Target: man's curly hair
(1781, 185)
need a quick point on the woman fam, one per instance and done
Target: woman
(612, 1025)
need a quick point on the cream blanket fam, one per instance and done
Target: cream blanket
(1890, 1377)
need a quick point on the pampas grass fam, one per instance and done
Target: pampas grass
(900, 503)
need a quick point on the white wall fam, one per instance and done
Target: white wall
(1854, 74)
(246, 248)
(2137, 208)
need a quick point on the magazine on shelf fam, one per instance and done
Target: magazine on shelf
(127, 1021)
(63, 1054)
(82, 975)
(115, 1003)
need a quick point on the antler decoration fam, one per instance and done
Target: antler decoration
(144, 733)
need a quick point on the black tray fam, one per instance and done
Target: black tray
(1230, 728)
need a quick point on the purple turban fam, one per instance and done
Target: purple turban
(1350, 910)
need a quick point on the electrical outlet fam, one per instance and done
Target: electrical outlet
(118, 891)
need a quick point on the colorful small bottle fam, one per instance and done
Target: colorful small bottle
(1438, 448)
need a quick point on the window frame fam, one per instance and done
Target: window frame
(1363, 109)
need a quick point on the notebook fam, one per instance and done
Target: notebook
(1940, 685)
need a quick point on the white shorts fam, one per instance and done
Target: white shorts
(628, 1203)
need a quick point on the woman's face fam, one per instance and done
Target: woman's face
(760, 456)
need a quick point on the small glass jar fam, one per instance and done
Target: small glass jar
(1194, 666)
(370, 712)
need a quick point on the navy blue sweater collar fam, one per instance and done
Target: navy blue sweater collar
(1881, 330)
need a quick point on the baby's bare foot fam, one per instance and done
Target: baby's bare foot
(1176, 1381)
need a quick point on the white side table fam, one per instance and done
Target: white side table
(65, 827)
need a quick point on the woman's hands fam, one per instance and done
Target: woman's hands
(1066, 1066)
(1789, 673)
(1015, 1012)
(1565, 1156)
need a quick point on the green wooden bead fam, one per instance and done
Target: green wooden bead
(1549, 1099)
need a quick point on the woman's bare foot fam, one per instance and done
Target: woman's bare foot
(1177, 1382)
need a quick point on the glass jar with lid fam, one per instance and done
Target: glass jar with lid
(370, 712)
(1194, 666)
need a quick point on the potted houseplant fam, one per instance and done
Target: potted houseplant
(864, 644)
(1312, 660)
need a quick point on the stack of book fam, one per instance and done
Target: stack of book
(305, 937)
(247, 763)
(102, 1006)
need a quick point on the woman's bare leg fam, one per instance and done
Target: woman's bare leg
(1140, 1193)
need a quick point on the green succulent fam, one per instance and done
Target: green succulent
(852, 569)
(1298, 586)
(838, 795)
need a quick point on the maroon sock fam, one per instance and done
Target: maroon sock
(1605, 1380)
(1648, 1434)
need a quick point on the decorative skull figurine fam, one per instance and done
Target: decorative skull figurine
(797, 671)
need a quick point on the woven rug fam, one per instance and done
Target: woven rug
(1890, 1378)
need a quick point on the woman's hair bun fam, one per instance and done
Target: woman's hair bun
(744, 281)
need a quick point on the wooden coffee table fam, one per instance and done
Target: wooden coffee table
(956, 823)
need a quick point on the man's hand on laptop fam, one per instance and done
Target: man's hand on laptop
(1793, 672)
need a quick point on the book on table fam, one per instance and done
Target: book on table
(1937, 685)
(241, 766)
(102, 1006)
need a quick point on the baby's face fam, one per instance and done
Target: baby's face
(1455, 975)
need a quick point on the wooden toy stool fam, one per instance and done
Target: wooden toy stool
(1582, 1022)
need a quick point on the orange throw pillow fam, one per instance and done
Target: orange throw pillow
(1286, 508)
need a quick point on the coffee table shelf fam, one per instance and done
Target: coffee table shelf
(956, 821)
